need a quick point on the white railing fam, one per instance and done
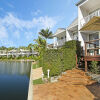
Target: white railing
(87, 18)
(5, 54)
(60, 42)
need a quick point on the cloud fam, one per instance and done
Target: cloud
(6, 42)
(44, 21)
(35, 13)
(17, 34)
(29, 35)
(10, 5)
(12, 27)
(3, 32)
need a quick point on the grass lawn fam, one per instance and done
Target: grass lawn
(38, 81)
(35, 66)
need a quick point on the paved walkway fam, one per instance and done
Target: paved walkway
(37, 73)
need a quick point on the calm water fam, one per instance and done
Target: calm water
(14, 80)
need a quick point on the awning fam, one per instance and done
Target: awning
(92, 25)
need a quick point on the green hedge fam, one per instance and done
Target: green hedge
(59, 60)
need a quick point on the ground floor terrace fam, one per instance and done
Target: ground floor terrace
(89, 35)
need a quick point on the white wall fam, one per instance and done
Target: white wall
(68, 35)
(54, 41)
(58, 41)
(82, 12)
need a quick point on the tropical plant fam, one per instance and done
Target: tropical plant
(10, 48)
(39, 46)
(22, 47)
(46, 33)
(3, 48)
(94, 67)
(40, 43)
(30, 47)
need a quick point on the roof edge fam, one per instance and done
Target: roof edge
(80, 2)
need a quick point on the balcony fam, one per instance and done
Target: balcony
(87, 18)
(60, 43)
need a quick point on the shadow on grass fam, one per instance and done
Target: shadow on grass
(95, 90)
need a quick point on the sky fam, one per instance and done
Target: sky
(21, 20)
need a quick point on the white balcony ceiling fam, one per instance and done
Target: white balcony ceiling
(73, 26)
(92, 25)
(60, 32)
(91, 5)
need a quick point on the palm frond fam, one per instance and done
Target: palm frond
(46, 33)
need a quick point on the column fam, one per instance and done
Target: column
(55, 41)
(99, 42)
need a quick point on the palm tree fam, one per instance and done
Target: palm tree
(46, 33)
(30, 47)
(39, 46)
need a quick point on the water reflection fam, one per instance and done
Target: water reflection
(15, 68)
(14, 80)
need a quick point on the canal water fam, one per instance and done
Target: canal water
(14, 80)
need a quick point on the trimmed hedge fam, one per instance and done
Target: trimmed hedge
(62, 59)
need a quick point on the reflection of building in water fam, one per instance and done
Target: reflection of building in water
(17, 53)
(15, 68)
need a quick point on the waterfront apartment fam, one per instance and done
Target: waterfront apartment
(85, 28)
(17, 53)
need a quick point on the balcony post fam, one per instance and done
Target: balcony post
(95, 51)
(76, 61)
(85, 49)
(85, 66)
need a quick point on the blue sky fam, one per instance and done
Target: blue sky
(21, 20)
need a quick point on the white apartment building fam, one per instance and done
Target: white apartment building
(83, 27)
(17, 53)
(70, 33)
(87, 9)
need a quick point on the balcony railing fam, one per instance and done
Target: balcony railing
(60, 42)
(92, 48)
(87, 18)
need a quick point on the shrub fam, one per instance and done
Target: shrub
(94, 67)
(52, 61)
(59, 60)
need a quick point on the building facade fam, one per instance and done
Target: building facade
(87, 9)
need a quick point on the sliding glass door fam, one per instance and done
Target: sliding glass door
(95, 44)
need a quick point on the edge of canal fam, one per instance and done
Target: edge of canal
(30, 89)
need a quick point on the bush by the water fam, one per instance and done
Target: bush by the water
(59, 60)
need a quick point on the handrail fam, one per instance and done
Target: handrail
(94, 48)
(92, 41)
(87, 18)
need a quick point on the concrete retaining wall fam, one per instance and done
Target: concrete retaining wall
(30, 90)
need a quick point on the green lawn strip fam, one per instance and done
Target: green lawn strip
(38, 81)
(35, 66)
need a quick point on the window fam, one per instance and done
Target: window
(61, 37)
(94, 37)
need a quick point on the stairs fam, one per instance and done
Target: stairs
(81, 63)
